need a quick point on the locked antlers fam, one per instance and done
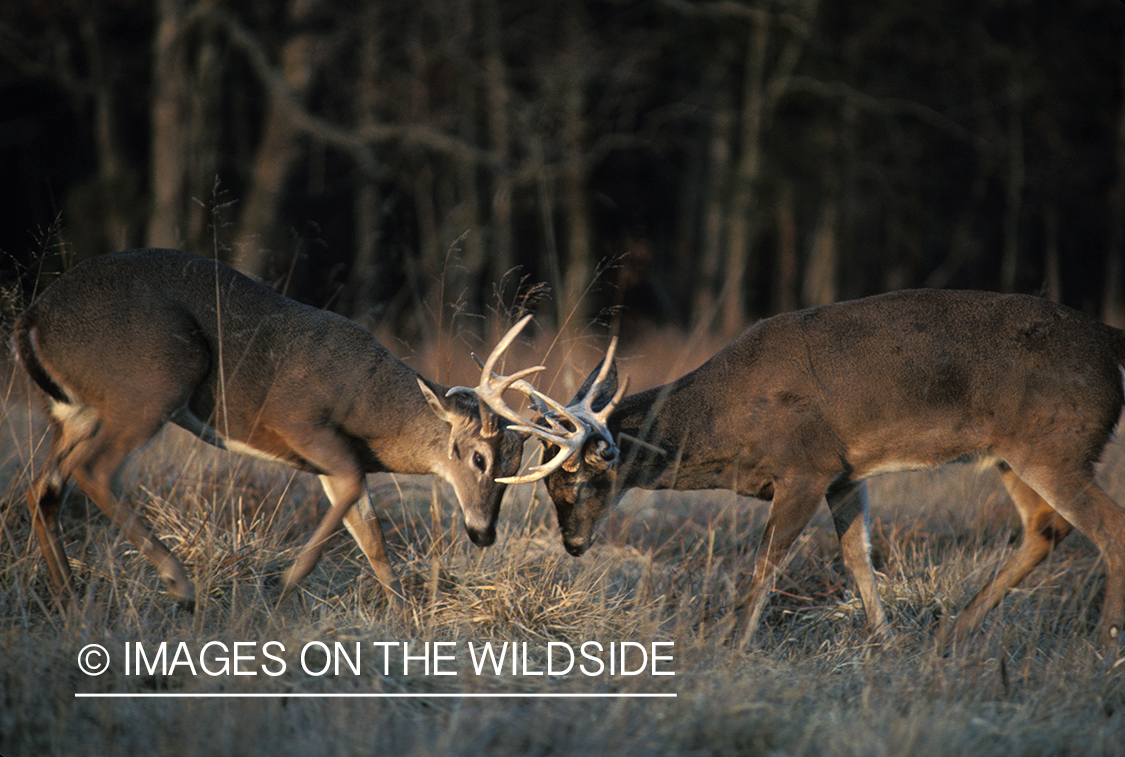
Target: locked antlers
(568, 428)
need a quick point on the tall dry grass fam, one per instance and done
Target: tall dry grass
(667, 567)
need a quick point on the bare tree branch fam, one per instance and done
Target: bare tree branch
(351, 140)
(887, 106)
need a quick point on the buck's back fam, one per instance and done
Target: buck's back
(917, 378)
(143, 316)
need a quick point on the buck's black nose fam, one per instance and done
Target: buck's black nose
(575, 550)
(484, 538)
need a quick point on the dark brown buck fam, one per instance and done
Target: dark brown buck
(125, 343)
(808, 404)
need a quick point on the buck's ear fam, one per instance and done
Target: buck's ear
(441, 407)
(606, 389)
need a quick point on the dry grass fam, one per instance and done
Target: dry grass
(666, 568)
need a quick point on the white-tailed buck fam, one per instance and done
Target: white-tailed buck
(808, 404)
(125, 343)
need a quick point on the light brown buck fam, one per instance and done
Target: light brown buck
(123, 344)
(808, 404)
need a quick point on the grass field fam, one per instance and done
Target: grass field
(666, 568)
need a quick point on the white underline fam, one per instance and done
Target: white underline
(366, 695)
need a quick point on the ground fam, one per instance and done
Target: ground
(666, 568)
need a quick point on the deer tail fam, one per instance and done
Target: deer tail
(24, 345)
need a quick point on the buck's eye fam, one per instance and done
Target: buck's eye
(478, 460)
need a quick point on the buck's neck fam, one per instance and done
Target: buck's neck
(669, 440)
(392, 419)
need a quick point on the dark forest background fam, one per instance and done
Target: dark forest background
(660, 162)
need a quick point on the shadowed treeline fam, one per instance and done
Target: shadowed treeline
(708, 162)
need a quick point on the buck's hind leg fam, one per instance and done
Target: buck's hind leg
(848, 504)
(1043, 527)
(1076, 496)
(96, 465)
(45, 499)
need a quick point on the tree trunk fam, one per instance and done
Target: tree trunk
(786, 288)
(358, 294)
(116, 191)
(574, 188)
(464, 212)
(1009, 256)
(576, 212)
(1113, 295)
(203, 130)
(1052, 276)
(820, 278)
(746, 178)
(498, 120)
(715, 213)
(260, 228)
(170, 104)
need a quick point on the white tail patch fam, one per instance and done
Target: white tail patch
(78, 419)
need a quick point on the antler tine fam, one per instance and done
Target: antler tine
(509, 382)
(493, 396)
(580, 416)
(584, 408)
(587, 403)
(603, 414)
(569, 445)
(502, 345)
(492, 386)
(491, 393)
(551, 404)
(516, 381)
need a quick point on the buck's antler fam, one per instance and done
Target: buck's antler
(582, 413)
(568, 427)
(490, 390)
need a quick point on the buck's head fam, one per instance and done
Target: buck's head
(481, 448)
(580, 452)
(485, 444)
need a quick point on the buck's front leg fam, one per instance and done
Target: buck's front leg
(366, 528)
(345, 482)
(794, 502)
(848, 503)
(343, 492)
